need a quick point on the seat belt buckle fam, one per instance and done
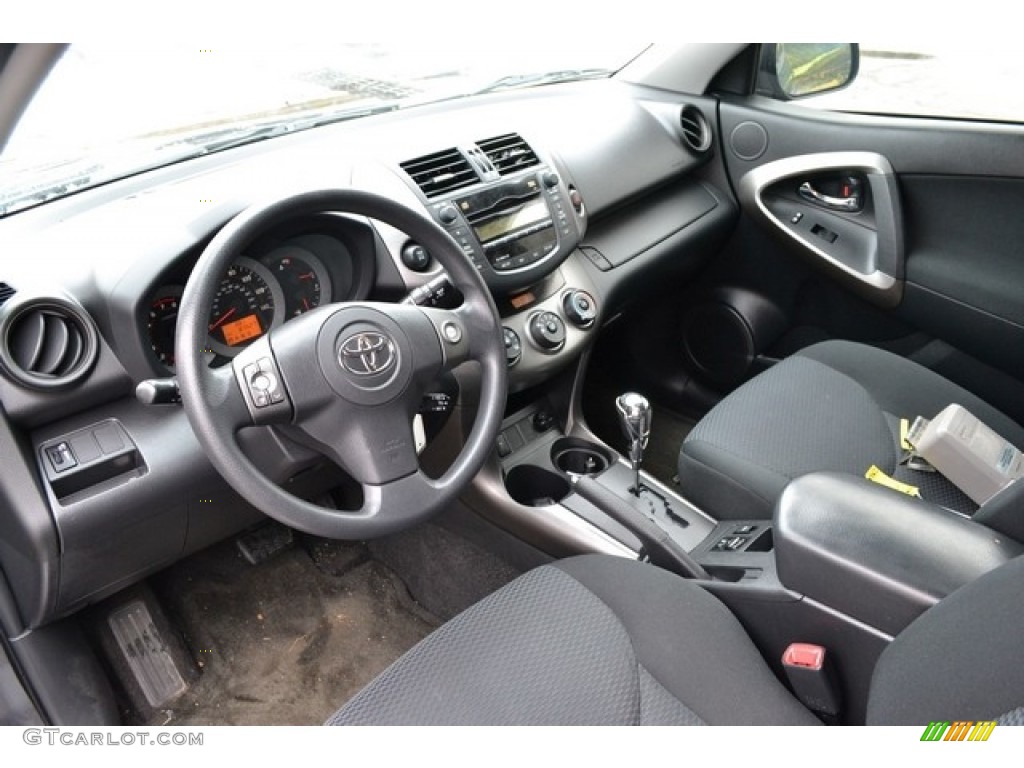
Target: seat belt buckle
(812, 678)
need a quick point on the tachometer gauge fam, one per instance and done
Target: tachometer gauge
(244, 308)
(303, 277)
(161, 323)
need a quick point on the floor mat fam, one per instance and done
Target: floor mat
(444, 572)
(289, 641)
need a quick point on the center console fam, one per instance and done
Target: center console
(843, 563)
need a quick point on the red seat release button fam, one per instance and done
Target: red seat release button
(804, 655)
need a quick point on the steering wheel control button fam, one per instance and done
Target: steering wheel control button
(513, 346)
(263, 382)
(547, 331)
(580, 308)
(452, 333)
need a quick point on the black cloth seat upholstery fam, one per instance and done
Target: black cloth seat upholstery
(586, 641)
(834, 406)
(602, 640)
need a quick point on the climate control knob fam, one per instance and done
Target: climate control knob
(547, 331)
(580, 308)
(513, 347)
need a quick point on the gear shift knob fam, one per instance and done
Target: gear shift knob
(635, 418)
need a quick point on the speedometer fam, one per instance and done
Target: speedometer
(247, 304)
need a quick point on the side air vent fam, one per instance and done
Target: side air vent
(440, 172)
(696, 130)
(47, 343)
(509, 153)
(5, 293)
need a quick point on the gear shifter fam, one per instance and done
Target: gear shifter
(635, 418)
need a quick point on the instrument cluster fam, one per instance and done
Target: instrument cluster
(277, 279)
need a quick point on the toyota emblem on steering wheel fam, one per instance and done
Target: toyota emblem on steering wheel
(367, 353)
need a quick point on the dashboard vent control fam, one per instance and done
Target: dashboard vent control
(479, 160)
(47, 343)
(441, 172)
(696, 129)
(5, 293)
(509, 153)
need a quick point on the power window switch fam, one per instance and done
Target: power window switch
(504, 449)
(60, 456)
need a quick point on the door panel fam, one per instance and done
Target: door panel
(854, 232)
(955, 212)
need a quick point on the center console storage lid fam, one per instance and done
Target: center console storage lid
(874, 554)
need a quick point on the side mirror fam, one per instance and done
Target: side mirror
(795, 70)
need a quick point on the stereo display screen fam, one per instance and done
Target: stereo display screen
(528, 213)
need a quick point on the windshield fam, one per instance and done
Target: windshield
(105, 113)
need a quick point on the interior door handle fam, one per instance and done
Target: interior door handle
(852, 202)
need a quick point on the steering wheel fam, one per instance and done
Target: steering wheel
(345, 379)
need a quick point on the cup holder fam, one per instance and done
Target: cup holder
(578, 457)
(534, 486)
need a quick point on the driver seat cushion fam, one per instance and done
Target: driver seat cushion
(833, 407)
(591, 640)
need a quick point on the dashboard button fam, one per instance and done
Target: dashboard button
(415, 257)
(547, 331)
(513, 346)
(60, 456)
(580, 308)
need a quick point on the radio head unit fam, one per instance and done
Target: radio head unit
(514, 231)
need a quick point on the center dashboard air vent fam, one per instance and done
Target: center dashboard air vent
(47, 343)
(509, 153)
(440, 172)
(696, 130)
(6, 292)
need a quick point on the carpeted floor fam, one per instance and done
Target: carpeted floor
(288, 641)
(444, 572)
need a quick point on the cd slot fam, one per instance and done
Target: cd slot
(476, 214)
(510, 223)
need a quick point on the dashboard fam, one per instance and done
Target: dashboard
(572, 201)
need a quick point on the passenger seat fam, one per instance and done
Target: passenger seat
(835, 406)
